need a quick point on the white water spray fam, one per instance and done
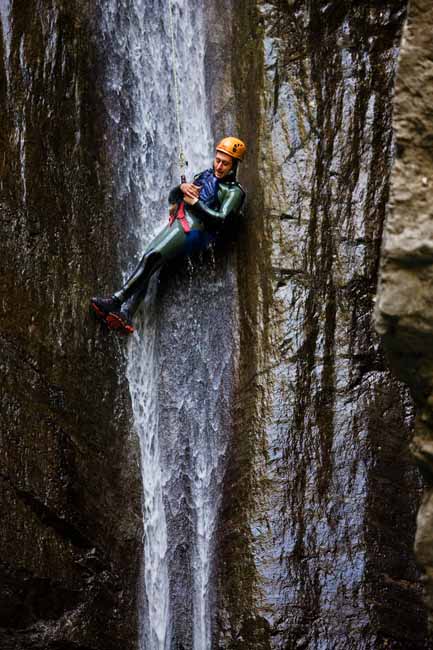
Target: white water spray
(7, 34)
(141, 85)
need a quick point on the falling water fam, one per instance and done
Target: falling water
(140, 86)
(18, 116)
(4, 17)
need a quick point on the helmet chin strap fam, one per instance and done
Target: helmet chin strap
(231, 175)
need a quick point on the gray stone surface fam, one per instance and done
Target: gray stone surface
(318, 511)
(69, 481)
(317, 530)
(404, 314)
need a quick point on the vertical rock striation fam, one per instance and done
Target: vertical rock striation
(278, 419)
(318, 514)
(70, 494)
(404, 314)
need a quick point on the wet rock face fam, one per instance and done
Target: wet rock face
(70, 491)
(319, 509)
(317, 512)
(404, 315)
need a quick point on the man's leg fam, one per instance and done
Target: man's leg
(138, 282)
(117, 311)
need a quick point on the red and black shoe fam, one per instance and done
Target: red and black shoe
(120, 320)
(111, 312)
(102, 307)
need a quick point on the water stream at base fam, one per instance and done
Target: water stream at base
(141, 106)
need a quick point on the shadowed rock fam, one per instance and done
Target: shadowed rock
(70, 490)
(404, 315)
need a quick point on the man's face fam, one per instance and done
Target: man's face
(222, 164)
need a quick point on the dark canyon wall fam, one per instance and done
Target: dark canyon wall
(404, 313)
(70, 490)
(317, 518)
(319, 511)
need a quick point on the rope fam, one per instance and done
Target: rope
(182, 160)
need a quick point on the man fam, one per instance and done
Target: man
(198, 211)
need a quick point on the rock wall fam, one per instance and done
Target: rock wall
(318, 517)
(404, 314)
(70, 487)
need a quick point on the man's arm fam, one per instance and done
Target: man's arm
(231, 204)
(180, 191)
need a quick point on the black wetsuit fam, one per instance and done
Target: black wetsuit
(218, 201)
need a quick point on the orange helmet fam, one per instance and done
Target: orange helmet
(233, 147)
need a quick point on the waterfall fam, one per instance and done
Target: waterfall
(141, 105)
(4, 17)
(19, 116)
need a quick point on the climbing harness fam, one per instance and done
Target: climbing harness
(208, 185)
(180, 214)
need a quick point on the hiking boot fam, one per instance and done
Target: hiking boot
(101, 307)
(120, 320)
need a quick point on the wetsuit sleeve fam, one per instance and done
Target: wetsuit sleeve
(175, 195)
(231, 203)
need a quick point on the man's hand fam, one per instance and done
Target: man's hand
(190, 200)
(190, 190)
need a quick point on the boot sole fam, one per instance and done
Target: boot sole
(116, 322)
